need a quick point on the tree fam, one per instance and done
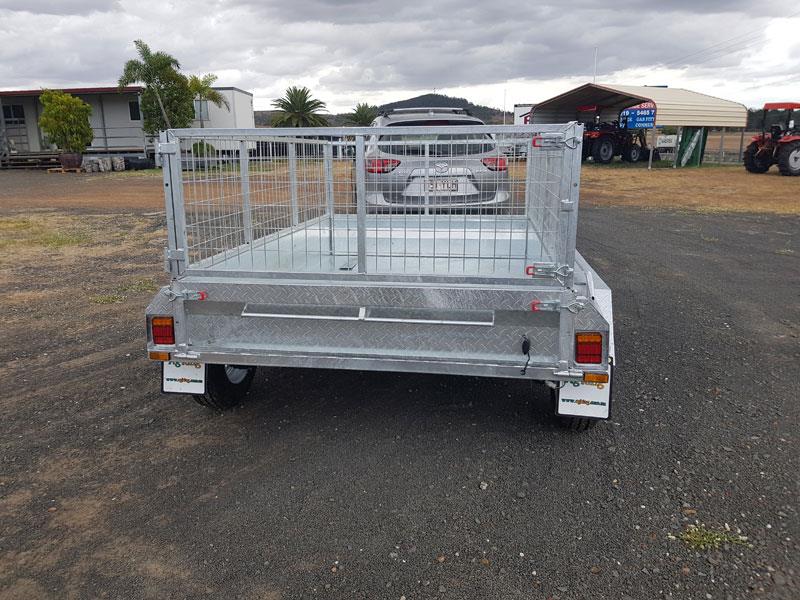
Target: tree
(363, 114)
(201, 90)
(298, 109)
(65, 121)
(178, 102)
(157, 71)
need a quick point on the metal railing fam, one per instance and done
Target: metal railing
(452, 200)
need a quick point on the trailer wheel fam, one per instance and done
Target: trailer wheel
(632, 153)
(753, 162)
(226, 386)
(603, 150)
(789, 159)
(571, 423)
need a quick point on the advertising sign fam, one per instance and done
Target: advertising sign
(641, 116)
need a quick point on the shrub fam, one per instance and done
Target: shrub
(65, 121)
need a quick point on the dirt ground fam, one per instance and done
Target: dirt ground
(709, 189)
(366, 485)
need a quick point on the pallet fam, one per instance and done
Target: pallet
(63, 170)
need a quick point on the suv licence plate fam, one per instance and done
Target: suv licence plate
(442, 185)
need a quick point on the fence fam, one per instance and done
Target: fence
(454, 200)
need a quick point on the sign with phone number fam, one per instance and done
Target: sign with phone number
(641, 116)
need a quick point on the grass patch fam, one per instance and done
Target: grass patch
(784, 252)
(27, 232)
(107, 299)
(139, 286)
(700, 537)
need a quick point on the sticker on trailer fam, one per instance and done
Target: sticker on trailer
(579, 399)
(183, 377)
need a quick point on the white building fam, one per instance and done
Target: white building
(116, 120)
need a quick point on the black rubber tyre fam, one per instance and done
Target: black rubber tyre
(632, 153)
(754, 163)
(571, 423)
(586, 149)
(226, 386)
(603, 150)
(789, 159)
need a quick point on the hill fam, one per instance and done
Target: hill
(484, 113)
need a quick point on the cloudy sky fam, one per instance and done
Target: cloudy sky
(378, 50)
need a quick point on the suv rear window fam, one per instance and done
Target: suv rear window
(440, 144)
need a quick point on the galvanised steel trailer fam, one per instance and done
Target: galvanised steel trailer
(278, 259)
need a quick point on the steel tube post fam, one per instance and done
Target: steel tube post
(677, 148)
(244, 172)
(361, 204)
(292, 153)
(652, 146)
(722, 146)
(741, 146)
(327, 154)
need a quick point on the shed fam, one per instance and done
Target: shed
(675, 107)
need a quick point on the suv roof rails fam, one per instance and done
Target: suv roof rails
(430, 109)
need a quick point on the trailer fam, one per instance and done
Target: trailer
(278, 259)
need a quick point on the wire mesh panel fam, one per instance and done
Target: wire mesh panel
(465, 201)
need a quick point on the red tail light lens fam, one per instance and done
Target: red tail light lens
(495, 163)
(381, 165)
(589, 348)
(163, 330)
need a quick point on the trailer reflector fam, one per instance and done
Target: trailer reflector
(589, 348)
(595, 378)
(162, 356)
(163, 330)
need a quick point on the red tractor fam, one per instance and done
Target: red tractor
(780, 145)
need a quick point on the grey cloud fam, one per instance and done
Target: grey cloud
(60, 7)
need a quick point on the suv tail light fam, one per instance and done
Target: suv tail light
(589, 348)
(163, 331)
(495, 163)
(381, 165)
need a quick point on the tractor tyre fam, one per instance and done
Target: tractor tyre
(632, 153)
(226, 386)
(789, 159)
(586, 149)
(753, 162)
(603, 150)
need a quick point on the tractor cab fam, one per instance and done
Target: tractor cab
(778, 143)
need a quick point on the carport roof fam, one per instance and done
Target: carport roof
(674, 106)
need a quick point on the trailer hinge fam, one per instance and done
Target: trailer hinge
(548, 270)
(185, 294)
(174, 259)
(567, 204)
(168, 147)
(574, 306)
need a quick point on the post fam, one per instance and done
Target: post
(327, 155)
(361, 204)
(292, 153)
(722, 146)
(103, 121)
(677, 148)
(652, 146)
(244, 172)
(3, 139)
(741, 146)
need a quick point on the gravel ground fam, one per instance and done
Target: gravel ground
(362, 485)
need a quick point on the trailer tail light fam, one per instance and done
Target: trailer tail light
(589, 348)
(495, 163)
(381, 165)
(163, 331)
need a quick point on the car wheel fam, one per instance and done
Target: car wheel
(226, 386)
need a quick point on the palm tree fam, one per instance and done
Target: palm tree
(298, 108)
(151, 70)
(363, 114)
(201, 90)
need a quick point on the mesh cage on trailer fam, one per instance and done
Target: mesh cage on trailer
(470, 201)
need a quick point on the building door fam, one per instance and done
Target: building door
(16, 129)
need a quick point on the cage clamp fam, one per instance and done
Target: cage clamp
(168, 148)
(185, 294)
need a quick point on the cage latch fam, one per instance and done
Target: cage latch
(168, 147)
(185, 294)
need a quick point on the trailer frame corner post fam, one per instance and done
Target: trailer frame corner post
(291, 152)
(327, 155)
(361, 204)
(244, 173)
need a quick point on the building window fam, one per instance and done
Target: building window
(201, 110)
(133, 108)
(14, 114)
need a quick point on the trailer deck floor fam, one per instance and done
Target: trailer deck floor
(407, 244)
